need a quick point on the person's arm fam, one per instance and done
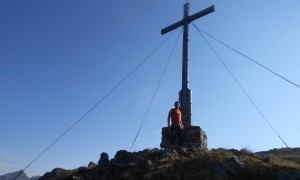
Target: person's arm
(181, 125)
(169, 117)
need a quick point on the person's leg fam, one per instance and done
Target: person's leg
(172, 131)
(177, 134)
(180, 136)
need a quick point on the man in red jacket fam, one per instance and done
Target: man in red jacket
(176, 126)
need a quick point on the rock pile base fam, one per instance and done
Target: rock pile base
(193, 136)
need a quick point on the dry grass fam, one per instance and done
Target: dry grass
(246, 150)
(276, 161)
(206, 162)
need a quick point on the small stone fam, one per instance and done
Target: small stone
(76, 178)
(169, 152)
(92, 165)
(149, 163)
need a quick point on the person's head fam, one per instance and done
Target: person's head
(177, 104)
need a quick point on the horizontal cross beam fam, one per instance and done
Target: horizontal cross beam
(188, 19)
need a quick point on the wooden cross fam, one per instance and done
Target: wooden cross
(185, 94)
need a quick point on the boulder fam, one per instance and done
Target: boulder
(104, 160)
(231, 169)
(122, 157)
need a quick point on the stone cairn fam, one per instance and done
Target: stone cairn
(193, 136)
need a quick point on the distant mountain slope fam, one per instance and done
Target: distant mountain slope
(188, 163)
(22, 176)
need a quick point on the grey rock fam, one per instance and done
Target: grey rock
(183, 152)
(233, 165)
(231, 168)
(76, 178)
(233, 162)
(169, 152)
(104, 160)
(149, 163)
(92, 165)
(122, 157)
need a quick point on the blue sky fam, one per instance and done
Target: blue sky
(59, 58)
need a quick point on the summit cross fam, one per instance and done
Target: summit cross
(185, 94)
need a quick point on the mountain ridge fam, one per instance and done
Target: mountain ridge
(21, 176)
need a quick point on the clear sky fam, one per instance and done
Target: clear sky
(58, 58)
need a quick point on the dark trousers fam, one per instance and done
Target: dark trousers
(176, 132)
